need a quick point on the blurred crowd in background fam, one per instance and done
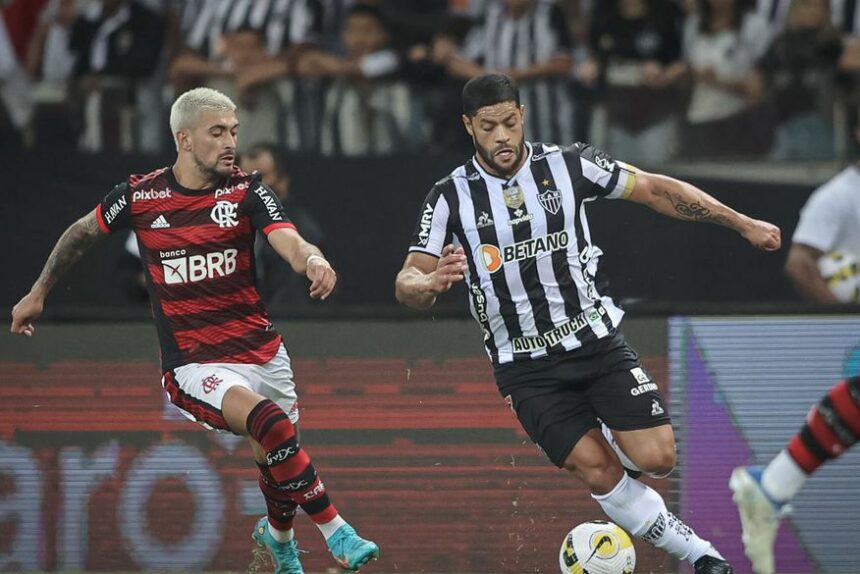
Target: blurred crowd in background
(649, 80)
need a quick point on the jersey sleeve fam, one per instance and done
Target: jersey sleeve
(609, 178)
(114, 211)
(431, 231)
(822, 220)
(265, 209)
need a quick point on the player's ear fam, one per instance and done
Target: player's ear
(467, 123)
(184, 142)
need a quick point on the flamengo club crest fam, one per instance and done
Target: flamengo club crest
(550, 200)
(224, 214)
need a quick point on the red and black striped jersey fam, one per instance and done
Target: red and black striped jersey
(197, 250)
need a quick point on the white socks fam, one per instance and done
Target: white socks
(331, 526)
(642, 512)
(782, 479)
(281, 535)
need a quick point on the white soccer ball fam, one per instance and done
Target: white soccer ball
(597, 547)
(841, 271)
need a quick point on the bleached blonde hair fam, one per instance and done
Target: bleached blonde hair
(187, 107)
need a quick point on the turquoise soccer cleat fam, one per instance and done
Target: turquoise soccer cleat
(284, 554)
(350, 550)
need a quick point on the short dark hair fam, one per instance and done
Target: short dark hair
(371, 11)
(488, 90)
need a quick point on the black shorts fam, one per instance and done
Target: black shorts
(559, 398)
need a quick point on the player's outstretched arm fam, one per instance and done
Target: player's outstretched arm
(73, 243)
(425, 277)
(683, 200)
(305, 259)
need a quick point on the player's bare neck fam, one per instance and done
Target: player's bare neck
(190, 177)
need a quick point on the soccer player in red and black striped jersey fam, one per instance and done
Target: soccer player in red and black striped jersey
(224, 365)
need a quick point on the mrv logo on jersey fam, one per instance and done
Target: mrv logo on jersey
(193, 268)
(494, 258)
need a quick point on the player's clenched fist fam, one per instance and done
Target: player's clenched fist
(763, 235)
(24, 313)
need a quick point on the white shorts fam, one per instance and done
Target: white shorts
(198, 389)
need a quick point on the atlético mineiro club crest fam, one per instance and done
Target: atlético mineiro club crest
(550, 200)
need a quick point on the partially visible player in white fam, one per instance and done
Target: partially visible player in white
(830, 221)
(763, 494)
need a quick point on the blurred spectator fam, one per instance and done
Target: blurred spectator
(367, 110)
(48, 55)
(829, 222)
(280, 287)
(798, 70)
(722, 43)
(638, 46)
(247, 50)
(774, 12)
(15, 105)
(115, 43)
(529, 41)
(426, 68)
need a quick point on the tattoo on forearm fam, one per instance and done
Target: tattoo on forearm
(71, 246)
(694, 211)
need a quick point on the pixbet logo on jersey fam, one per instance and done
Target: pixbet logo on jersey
(193, 268)
(494, 258)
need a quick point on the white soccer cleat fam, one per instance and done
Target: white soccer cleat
(759, 517)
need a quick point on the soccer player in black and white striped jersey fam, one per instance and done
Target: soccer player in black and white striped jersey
(511, 223)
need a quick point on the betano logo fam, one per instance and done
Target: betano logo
(194, 268)
(494, 258)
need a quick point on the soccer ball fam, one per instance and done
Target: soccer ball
(597, 547)
(841, 271)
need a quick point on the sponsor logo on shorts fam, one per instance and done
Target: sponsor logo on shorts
(317, 491)
(656, 409)
(280, 455)
(640, 375)
(647, 387)
(211, 383)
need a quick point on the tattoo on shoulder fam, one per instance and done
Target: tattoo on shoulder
(694, 211)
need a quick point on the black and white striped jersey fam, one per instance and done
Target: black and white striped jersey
(282, 22)
(534, 275)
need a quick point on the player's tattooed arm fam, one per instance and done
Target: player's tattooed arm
(693, 210)
(685, 201)
(73, 243)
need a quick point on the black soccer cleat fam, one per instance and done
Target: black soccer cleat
(711, 565)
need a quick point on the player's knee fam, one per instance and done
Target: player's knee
(600, 475)
(658, 460)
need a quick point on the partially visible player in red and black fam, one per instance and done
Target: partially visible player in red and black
(764, 494)
(224, 365)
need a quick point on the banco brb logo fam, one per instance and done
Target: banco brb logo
(199, 267)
